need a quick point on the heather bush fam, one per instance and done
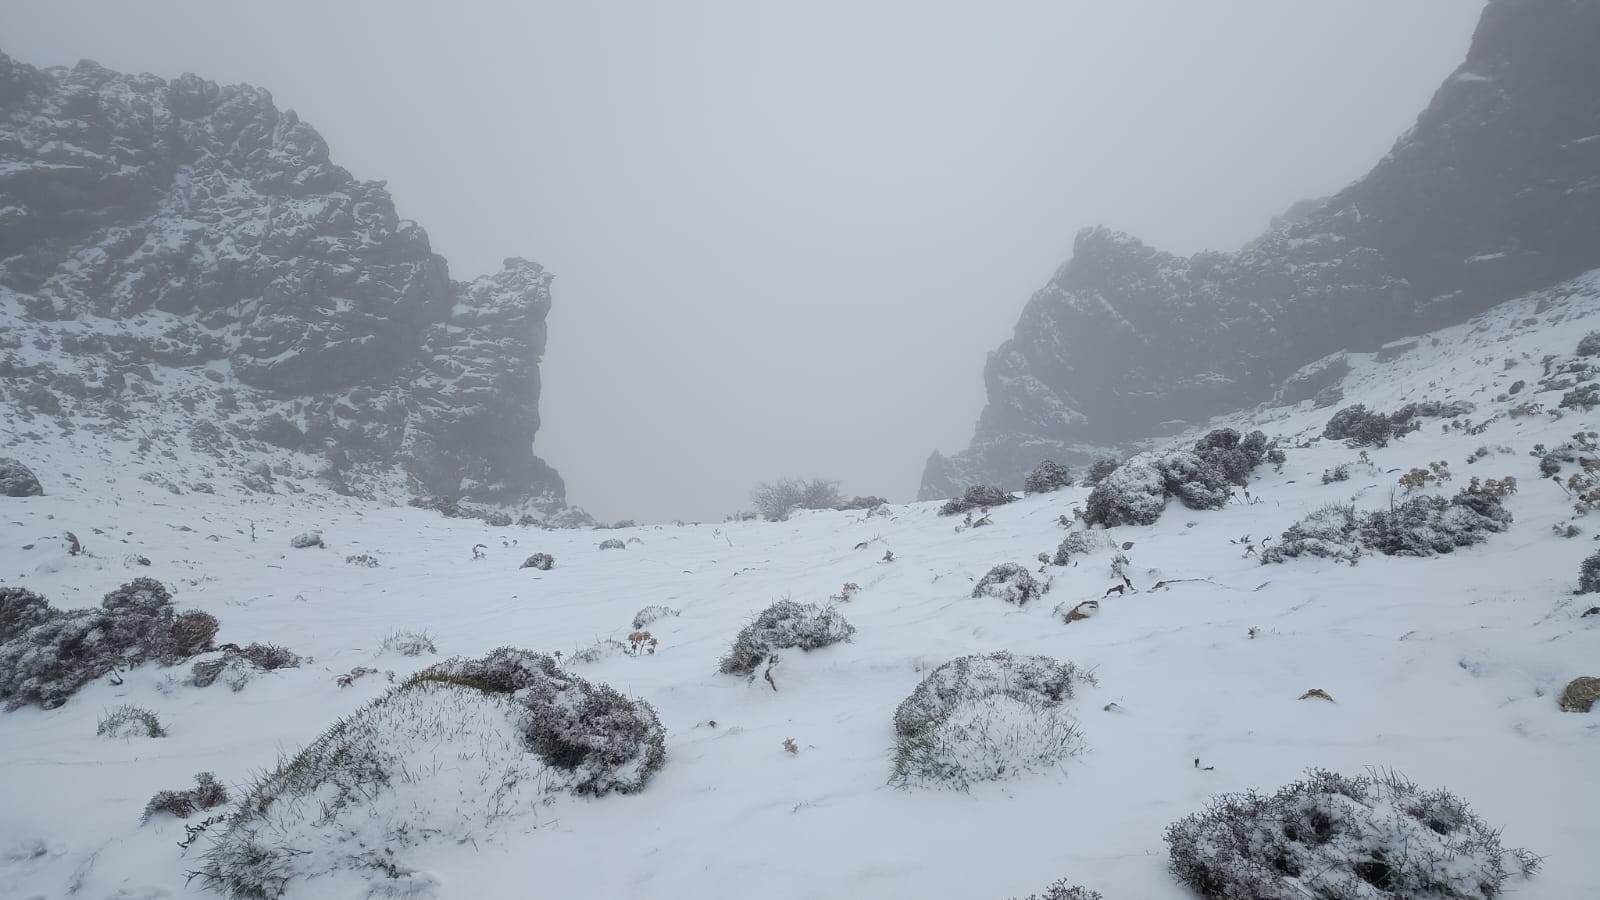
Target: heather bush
(21, 610)
(1201, 478)
(544, 562)
(1331, 836)
(1590, 344)
(1036, 679)
(860, 502)
(1099, 469)
(1584, 397)
(1589, 575)
(1048, 476)
(1063, 891)
(612, 544)
(1423, 526)
(1011, 583)
(207, 792)
(1329, 532)
(1076, 543)
(306, 540)
(783, 625)
(408, 643)
(1358, 426)
(238, 666)
(979, 496)
(1341, 472)
(649, 614)
(63, 650)
(130, 722)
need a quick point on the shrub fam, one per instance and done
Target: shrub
(21, 610)
(1590, 344)
(207, 792)
(1423, 526)
(1009, 582)
(650, 614)
(777, 499)
(1341, 472)
(365, 560)
(1048, 476)
(1076, 543)
(1584, 397)
(780, 626)
(66, 649)
(239, 665)
(1063, 891)
(978, 496)
(1201, 478)
(306, 540)
(544, 562)
(130, 722)
(1035, 679)
(1431, 409)
(1359, 427)
(604, 740)
(613, 544)
(1589, 575)
(1099, 469)
(17, 480)
(1370, 836)
(1329, 532)
(409, 643)
(859, 502)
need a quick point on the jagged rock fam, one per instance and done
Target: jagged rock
(1580, 694)
(184, 223)
(1494, 193)
(17, 480)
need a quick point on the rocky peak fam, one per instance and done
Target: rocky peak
(182, 226)
(1495, 192)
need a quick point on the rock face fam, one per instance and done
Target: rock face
(1495, 192)
(152, 229)
(17, 480)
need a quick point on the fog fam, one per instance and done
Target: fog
(785, 236)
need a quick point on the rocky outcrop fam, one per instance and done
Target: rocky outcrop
(152, 227)
(17, 480)
(1495, 192)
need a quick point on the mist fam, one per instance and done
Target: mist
(785, 238)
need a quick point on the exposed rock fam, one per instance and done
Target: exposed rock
(1495, 192)
(17, 480)
(187, 225)
(1581, 694)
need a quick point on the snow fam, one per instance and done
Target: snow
(1445, 669)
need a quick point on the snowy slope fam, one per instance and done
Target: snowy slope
(1445, 669)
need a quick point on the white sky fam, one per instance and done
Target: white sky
(785, 236)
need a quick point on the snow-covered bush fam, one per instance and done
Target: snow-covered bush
(1063, 891)
(307, 539)
(1329, 532)
(1584, 397)
(1341, 472)
(985, 717)
(130, 722)
(1048, 476)
(1201, 478)
(1099, 469)
(860, 502)
(17, 480)
(206, 793)
(613, 544)
(775, 500)
(1590, 344)
(602, 739)
(20, 610)
(1076, 543)
(1368, 837)
(66, 649)
(976, 497)
(544, 562)
(409, 643)
(365, 560)
(238, 666)
(1589, 575)
(1134, 493)
(1404, 417)
(780, 626)
(650, 614)
(1429, 524)
(1358, 426)
(1011, 583)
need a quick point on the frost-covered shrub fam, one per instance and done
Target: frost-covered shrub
(65, 650)
(780, 626)
(1584, 397)
(1358, 426)
(1048, 476)
(602, 739)
(1431, 409)
(365, 560)
(1370, 837)
(238, 666)
(544, 562)
(130, 722)
(1134, 494)
(978, 496)
(207, 792)
(1063, 891)
(1590, 344)
(1011, 583)
(1035, 679)
(1329, 532)
(1201, 478)
(985, 717)
(649, 614)
(613, 544)
(17, 480)
(1076, 543)
(1589, 575)
(860, 502)
(20, 610)
(1423, 526)
(307, 539)
(1099, 469)
(775, 500)
(409, 643)
(1341, 472)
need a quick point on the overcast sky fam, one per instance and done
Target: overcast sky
(786, 235)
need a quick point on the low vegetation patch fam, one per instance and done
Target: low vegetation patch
(1048, 476)
(979, 496)
(1201, 478)
(130, 722)
(783, 625)
(1011, 583)
(207, 792)
(1425, 525)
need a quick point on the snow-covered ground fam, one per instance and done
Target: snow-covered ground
(1446, 669)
